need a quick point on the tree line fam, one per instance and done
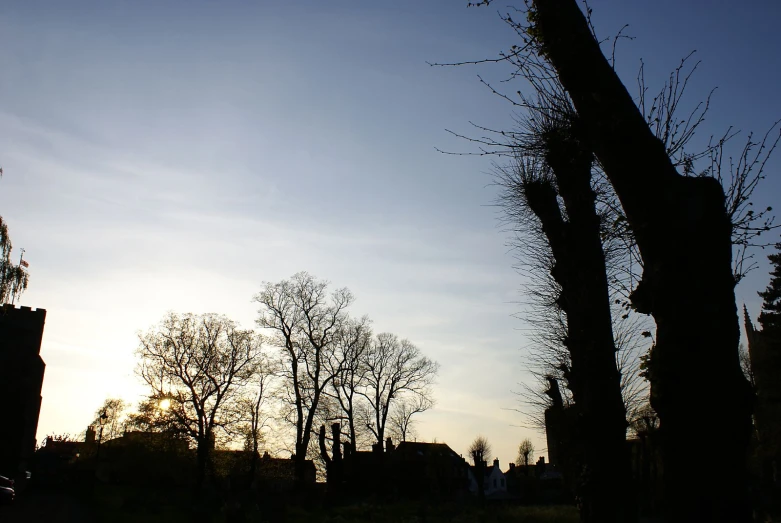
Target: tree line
(311, 363)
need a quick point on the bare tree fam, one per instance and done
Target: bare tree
(394, 368)
(306, 322)
(525, 452)
(480, 452)
(552, 182)
(352, 343)
(686, 229)
(401, 426)
(254, 419)
(683, 229)
(198, 364)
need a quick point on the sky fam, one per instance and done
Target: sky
(174, 155)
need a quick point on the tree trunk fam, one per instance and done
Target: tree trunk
(684, 236)
(202, 460)
(580, 270)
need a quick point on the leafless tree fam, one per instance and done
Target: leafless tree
(401, 424)
(479, 451)
(525, 452)
(352, 343)
(394, 368)
(198, 364)
(305, 322)
(658, 186)
(252, 408)
(684, 230)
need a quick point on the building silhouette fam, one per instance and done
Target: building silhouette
(21, 379)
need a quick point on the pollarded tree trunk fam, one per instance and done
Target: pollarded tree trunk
(684, 235)
(580, 271)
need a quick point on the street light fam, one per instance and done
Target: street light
(102, 420)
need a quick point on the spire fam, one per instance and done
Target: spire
(750, 330)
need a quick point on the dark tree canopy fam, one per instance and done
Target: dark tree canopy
(770, 317)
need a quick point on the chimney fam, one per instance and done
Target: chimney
(496, 462)
(389, 445)
(89, 438)
(512, 466)
(336, 434)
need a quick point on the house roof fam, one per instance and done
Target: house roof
(412, 448)
(487, 471)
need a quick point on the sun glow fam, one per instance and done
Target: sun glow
(165, 404)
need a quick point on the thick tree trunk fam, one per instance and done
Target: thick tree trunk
(581, 272)
(202, 462)
(684, 235)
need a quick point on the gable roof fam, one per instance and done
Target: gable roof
(414, 448)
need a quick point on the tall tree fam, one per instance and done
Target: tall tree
(764, 352)
(305, 322)
(198, 364)
(250, 408)
(683, 231)
(394, 368)
(352, 343)
(556, 164)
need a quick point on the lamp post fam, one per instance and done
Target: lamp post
(102, 420)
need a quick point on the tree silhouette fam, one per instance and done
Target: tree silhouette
(480, 452)
(394, 369)
(525, 452)
(198, 364)
(764, 354)
(305, 323)
(683, 230)
(352, 344)
(401, 424)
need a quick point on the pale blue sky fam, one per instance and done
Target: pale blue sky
(173, 155)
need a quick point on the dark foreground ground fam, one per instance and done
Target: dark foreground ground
(122, 504)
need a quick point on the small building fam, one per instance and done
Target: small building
(433, 470)
(494, 480)
(411, 470)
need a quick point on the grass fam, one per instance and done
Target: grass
(410, 513)
(126, 504)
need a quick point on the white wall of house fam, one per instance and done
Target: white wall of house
(495, 480)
